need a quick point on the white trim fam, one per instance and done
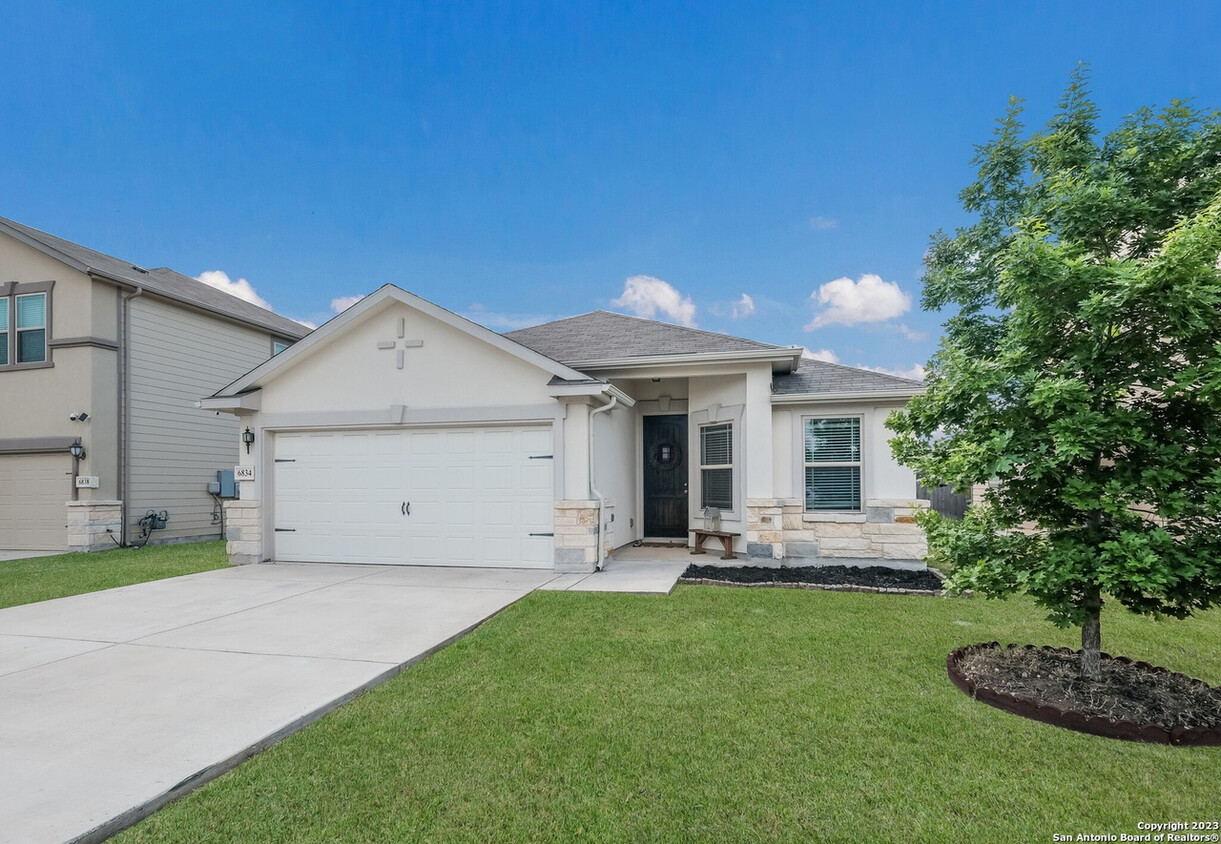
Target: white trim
(247, 401)
(732, 465)
(801, 463)
(591, 388)
(652, 407)
(842, 396)
(734, 414)
(789, 353)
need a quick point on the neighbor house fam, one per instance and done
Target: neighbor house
(400, 432)
(102, 352)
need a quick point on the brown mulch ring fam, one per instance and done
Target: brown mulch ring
(843, 578)
(1135, 701)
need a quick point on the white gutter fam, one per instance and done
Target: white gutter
(791, 354)
(614, 400)
(590, 388)
(847, 395)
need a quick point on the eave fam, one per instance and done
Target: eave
(250, 401)
(847, 396)
(782, 360)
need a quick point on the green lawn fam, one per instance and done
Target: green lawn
(43, 578)
(714, 714)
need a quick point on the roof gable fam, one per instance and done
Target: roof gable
(333, 330)
(162, 281)
(602, 335)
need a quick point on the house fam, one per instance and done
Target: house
(102, 352)
(399, 432)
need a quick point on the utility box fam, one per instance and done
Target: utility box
(228, 489)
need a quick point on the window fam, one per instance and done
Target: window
(833, 463)
(24, 312)
(278, 346)
(31, 326)
(716, 466)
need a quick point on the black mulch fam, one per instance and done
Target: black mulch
(1125, 691)
(880, 577)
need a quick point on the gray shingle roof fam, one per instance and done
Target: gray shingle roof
(163, 282)
(816, 376)
(602, 335)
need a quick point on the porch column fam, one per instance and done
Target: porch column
(576, 450)
(757, 442)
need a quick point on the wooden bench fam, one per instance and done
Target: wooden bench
(702, 536)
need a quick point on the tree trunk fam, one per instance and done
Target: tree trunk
(1091, 635)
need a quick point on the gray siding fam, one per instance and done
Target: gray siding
(175, 449)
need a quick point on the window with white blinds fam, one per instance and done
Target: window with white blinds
(32, 328)
(23, 326)
(833, 463)
(716, 466)
(4, 332)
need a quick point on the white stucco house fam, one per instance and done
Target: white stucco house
(400, 432)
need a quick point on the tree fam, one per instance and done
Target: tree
(1081, 371)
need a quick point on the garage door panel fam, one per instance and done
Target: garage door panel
(474, 495)
(34, 491)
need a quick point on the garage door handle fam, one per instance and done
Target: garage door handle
(542, 534)
(406, 508)
(286, 530)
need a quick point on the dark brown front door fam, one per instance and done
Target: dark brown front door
(665, 476)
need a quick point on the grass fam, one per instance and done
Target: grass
(714, 714)
(42, 578)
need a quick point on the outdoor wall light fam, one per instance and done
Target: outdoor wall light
(248, 439)
(77, 450)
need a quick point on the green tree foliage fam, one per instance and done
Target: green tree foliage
(1081, 368)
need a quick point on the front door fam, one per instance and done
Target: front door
(665, 476)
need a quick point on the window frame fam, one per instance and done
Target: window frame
(282, 343)
(10, 293)
(858, 464)
(731, 465)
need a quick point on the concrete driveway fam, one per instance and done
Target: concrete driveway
(115, 702)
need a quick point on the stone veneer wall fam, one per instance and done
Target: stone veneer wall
(92, 524)
(780, 529)
(576, 535)
(244, 532)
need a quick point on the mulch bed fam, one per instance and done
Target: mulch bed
(845, 578)
(1135, 701)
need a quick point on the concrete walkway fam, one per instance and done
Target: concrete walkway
(6, 554)
(113, 703)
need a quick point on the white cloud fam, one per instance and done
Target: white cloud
(241, 288)
(825, 355)
(644, 296)
(744, 307)
(310, 325)
(822, 224)
(342, 303)
(915, 372)
(853, 302)
(505, 322)
(911, 333)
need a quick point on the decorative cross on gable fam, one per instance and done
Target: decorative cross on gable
(400, 344)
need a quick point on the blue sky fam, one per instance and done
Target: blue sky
(517, 162)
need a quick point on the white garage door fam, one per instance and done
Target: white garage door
(437, 496)
(33, 491)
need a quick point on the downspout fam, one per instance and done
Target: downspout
(614, 400)
(124, 408)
